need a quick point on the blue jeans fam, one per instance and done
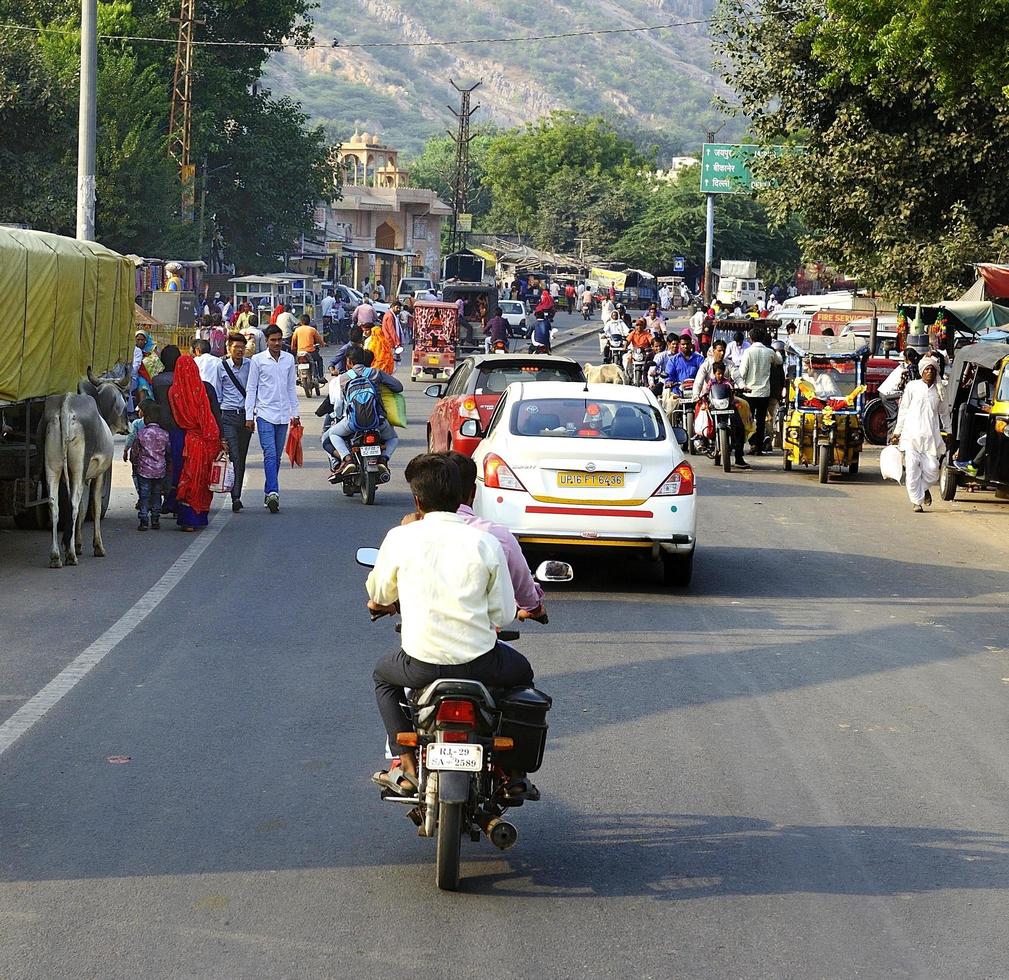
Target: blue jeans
(149, 491)
(271, 438)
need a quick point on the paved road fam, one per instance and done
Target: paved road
(798, 768)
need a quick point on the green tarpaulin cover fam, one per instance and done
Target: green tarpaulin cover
(65, 305)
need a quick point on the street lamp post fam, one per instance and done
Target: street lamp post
(86, 121)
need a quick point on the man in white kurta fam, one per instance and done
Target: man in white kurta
(918, 433)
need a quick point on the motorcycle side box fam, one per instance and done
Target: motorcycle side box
(524, 719)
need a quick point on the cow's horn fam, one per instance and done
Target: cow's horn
(91, 377)
(124, 382)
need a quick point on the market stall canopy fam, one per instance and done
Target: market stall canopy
(68, 305)
(976, 316)
(995, 278)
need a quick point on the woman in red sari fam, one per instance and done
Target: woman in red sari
(195, 411)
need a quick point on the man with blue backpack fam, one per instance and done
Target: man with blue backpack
(358, 405)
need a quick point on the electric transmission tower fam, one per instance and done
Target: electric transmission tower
(460, 176)
(181, 115)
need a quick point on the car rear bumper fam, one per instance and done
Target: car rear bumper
(658, 524)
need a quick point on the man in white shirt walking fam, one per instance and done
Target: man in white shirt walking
(271, 403)
(919, 433)
(287, 322)
(453, 588)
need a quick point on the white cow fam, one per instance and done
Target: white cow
(606, 374)
(78, 450)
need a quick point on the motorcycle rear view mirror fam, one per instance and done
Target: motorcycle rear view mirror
(555, 571)
(680, 435)
(470, 429)
(368, 557)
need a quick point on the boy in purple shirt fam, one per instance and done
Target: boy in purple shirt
(151, 455)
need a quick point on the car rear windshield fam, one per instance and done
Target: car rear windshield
(586, 418)
(510, 306)
(494, 379)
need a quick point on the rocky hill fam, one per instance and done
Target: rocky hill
(657, 86)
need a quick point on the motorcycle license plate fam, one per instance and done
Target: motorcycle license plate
(455, 756)
(371, 450)
(573, 480)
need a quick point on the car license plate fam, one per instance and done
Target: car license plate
(371, 450)
(573, 480)
(434, 360)
(455, 756)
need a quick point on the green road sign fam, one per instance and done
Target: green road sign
(725, 167)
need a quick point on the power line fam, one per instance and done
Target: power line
(337, 43)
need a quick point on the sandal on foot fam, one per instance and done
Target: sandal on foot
(397, 781)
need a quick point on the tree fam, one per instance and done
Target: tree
(906, 144)
(672, 224)
(521, 164)
(434, 169)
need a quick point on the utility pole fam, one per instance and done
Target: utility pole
(709, 238)
(460, 177)
(86, 121)
(180, 117)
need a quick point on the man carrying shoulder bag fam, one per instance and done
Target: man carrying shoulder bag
(231, 380)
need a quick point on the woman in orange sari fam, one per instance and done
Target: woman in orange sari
(379, 346)
(198, 418)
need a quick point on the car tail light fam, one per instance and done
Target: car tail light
(456, 713)
(468, 408)
(679, 483)
(498, 475)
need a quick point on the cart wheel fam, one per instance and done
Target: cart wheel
(875, 422)
(823, 462)
(947, 482)
(786, 461)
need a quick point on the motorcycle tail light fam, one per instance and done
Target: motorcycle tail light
(468, 409)
(453, 736)
(498, 475)
(456, 713)
(371, 438)
(679, 483)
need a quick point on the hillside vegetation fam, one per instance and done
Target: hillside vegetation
(656, 87)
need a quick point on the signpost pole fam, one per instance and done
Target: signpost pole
(709, 239)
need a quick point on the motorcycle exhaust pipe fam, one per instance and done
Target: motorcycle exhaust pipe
(500, 833)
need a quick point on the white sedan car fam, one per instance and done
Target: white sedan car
(574, 466)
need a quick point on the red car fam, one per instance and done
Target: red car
(476, 387)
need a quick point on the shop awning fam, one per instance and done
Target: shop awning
(490, 259)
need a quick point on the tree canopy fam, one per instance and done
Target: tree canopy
(900, 108)
(266, 169)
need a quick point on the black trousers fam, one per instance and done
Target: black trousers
(758, 406)
(233, 430)
(503, 666)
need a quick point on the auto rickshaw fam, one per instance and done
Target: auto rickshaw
(822, 423)
(977, 410)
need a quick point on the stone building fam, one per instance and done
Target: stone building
(382, 229)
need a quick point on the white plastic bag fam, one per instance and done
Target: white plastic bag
(891, 463)
(222, 475)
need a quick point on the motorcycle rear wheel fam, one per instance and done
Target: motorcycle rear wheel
(369, 480)
(449, 846)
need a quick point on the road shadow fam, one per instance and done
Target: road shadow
(723, 571)
(681, 857)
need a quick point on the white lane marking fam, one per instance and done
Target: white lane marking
(64, 682)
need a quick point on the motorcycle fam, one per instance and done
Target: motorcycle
(614, 352)
(367, 451)
(306, 375)
(721, 404)
(639, 367)
(683, 413)
(468, 739)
